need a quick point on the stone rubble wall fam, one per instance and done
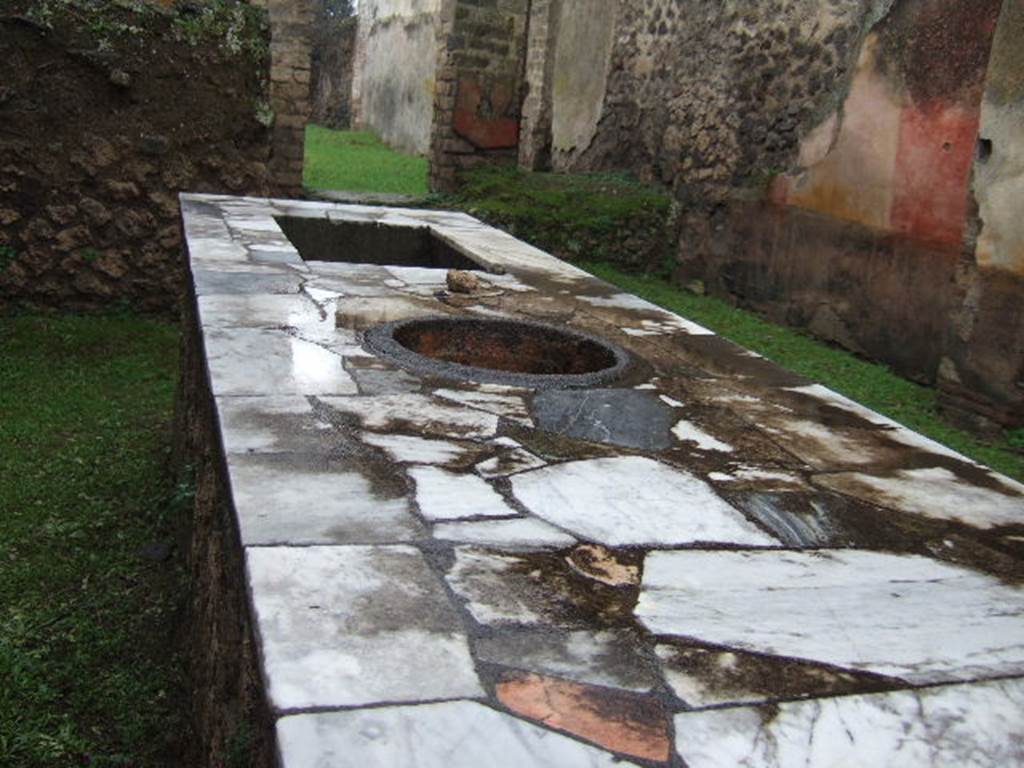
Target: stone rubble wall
(395, 71)
(97, 137)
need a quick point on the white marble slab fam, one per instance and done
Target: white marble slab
(632, 501)
(361, 312)
(308, 500)
(937, 493)
(495, 588)
(897, 431)
(444, 495)
(250, 361)
(418, 414)
(902, 616)
(351, 626)
(963, 726)
(520, 533)
(261, 311)
(457, 734)
(409, 449)
(760, 478)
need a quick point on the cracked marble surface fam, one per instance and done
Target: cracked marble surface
(710, 560)
(961, 726)
(901, 616)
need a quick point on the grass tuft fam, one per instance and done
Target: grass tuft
(358, 162)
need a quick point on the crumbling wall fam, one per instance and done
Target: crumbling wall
(480, 86)
(981, 378)
(103, 119)
(393, 87)
(821, 154)
(869, 222)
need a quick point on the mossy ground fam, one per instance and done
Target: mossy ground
(89, 581)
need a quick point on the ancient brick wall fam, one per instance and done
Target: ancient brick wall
(480, 81)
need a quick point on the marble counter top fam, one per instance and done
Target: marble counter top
(709, 562)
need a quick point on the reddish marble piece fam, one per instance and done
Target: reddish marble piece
(630, 724)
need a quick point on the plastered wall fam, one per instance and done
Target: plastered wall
(396, 61)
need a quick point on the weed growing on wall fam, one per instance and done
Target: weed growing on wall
(239, 28)
(236, 27)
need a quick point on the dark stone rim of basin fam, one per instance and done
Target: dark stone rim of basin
(386, 341)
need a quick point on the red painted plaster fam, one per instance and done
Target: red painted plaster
(933, 167)
(481, 113)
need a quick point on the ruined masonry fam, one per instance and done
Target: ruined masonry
(853, 168)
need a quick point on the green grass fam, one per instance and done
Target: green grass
(359, 162)
(87, 670)
(868, 383)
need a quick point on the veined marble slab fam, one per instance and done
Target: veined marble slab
(458, 734)
(444, 495)
(902, 616)
(261, 311)
(935, 492)
(633, 500)
(979, 725)
(409, 449)
(349, 626)
(278, 424)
